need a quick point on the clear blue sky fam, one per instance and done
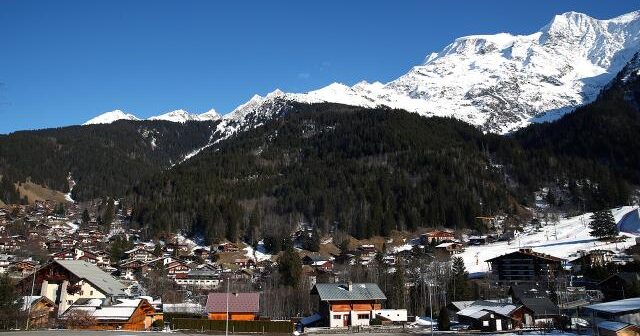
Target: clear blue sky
(64, 62)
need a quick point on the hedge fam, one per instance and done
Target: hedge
(234, 326)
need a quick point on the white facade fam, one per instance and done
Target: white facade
(50, 290)
(350, 318)
(395, 315)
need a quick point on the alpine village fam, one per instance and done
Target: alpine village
(349, 209)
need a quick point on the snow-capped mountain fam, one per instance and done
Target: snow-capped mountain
(183, 116)
(498, 82)
(109, 117)
(179, 116)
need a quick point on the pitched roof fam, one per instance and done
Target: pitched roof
(238, 302)
(341, 292)
(627, 277)
(612, 325)
(528, 252)
(93, 274)
(617, 307)
(540, 306)
(481, 307)
(121, 311)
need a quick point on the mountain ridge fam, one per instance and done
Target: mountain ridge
(499, 82)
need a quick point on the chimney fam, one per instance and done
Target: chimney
(349, 285)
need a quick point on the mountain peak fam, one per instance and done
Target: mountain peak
(180, 116)
(111, 116)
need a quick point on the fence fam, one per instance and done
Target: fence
(234, 326)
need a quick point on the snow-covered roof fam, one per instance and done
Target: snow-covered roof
(612, 325)
(625, 306)
(480, 308)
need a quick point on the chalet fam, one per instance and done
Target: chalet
(627, 311)
(176, 267)
(201, 252)
(120, 314)
(317, 261)
(490, 316)
(450, 247)
(614, 286)
(65, 281)
(610, 328)
(525, 265)
(241, 306)
(436, 237)
(198, 278)
(25, 267)
(244, 262)
(228, 247)
(591, 259)
(140, 253)
(350, 304)
(478, 240)
(543, 311)
(40, 310)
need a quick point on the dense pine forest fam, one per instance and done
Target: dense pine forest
(104, 160)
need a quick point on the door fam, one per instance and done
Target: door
(345, 320)
(498, 325)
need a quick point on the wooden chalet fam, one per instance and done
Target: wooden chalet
(122, 314)
(350, 304)
(241, 307)
(525, 265)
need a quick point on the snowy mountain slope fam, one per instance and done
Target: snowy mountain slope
(183, 116)
(179, 116)
(109, 117)
(498, 82)
(565, 238)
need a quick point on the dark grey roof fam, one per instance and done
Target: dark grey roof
(93, 274)
(541, 306)
(340, 292)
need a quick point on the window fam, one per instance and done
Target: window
(485, 323)
(363, 316)
(337, 317)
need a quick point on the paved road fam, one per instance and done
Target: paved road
(90, 333)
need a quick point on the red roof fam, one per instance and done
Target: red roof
(440, 234)
(238, 302)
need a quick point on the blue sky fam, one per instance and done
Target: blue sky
(64, 62)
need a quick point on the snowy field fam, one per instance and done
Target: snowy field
(572, 235)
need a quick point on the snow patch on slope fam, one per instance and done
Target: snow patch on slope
(572, 236)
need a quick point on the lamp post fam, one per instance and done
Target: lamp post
(226, 329)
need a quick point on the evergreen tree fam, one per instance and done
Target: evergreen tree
(459, 283)
(603, 225)
(290, 268)
(10, 302)
(444, 320)
(311, 242)
(86, 218)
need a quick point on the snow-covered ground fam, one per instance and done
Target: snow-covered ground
(572, 236)
(259, 254)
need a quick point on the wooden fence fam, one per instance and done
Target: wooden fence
(234, 326)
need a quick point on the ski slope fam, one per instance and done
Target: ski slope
(572, 235)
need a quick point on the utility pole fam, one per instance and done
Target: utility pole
(430, 306)
(226, 328)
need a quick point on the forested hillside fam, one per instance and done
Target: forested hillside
(104, 160)
(365, 172)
